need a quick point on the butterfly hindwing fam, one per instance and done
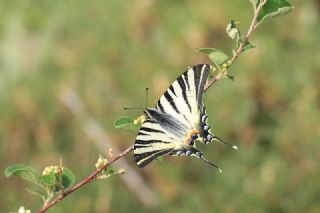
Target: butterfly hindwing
(204, 128)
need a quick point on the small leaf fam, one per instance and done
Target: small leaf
(212, 71)
(123, 121)
(48, 180)
(217, 56)
(272, 8)
(25, 172)
(247, 46)
(230, 77)
(233, 31)
(68, 178)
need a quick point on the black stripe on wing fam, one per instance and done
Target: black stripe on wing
(142, 133)
(185, 74)
(184, 91)
(201, 73)
(172, 90)
(141, 146)
(145, 158)
(151, 141)
(169, 98)
(146, 129)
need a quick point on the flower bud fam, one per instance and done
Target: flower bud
(23, 210)
(101, 161)
(51, 169)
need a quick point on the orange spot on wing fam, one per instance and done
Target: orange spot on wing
(194, 131)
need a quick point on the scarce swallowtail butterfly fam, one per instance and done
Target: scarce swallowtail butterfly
(177, 121)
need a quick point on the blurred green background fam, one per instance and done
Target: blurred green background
(108, 52)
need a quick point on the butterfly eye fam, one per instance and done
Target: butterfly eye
(188, 153)
(194, 136)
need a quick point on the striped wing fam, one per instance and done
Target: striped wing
(184, 98)
(152, 141)
(185, 95)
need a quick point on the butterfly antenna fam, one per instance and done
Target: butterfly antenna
(126, 108)
(210, 163)
(225, 142)
(147, 96)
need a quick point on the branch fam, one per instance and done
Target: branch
(88, 179)
(237, 52)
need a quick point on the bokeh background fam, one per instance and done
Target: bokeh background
(99, 56)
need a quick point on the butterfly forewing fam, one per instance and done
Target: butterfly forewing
(184, 96)
(152, 141)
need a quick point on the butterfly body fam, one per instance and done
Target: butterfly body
(177, 121)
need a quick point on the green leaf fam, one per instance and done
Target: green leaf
(25, 172)
(272, 8)
(247, 46)
(68, 178)
(230, 77)
(217, 56)
(212, 71)
(48, 180)
(123, 122)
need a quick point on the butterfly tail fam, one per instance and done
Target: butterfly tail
(192, 151)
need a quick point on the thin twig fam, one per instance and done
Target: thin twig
(237, 52)
(84, 181)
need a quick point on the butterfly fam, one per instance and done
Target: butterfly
(178, 120)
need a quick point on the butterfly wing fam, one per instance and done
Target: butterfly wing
(160, 134)
(185, 95)
(185, 98)
(152, 141)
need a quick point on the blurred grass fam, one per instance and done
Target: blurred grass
(110, 51)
